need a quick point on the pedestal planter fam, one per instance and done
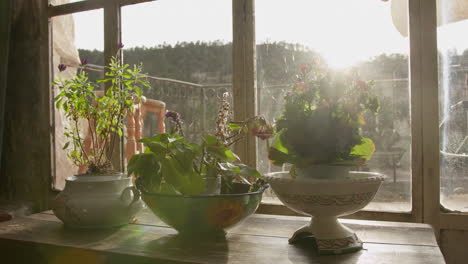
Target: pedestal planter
(205, 215)
(97, 201)
(325, 200)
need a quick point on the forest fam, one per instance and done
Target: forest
(210, 63)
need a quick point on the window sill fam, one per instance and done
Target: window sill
(260, 239)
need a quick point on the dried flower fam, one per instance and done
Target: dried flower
(172, 115)
(175, 119)
(62, 67)
(224, 114)
(261, 129)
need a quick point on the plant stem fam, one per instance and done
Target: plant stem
(92, 136)
(79, 140)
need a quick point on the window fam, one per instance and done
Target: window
(453, 105)
(287, 35)
(325, 33)
(189, 66)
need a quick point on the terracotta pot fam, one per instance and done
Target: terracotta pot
(97, 201)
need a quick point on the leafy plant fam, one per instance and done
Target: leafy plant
(102, 111)
(171, 165)
(322, 119)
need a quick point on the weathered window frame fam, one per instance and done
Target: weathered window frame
(423, 93)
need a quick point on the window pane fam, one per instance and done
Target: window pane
(75, 37)
(453, 104)
(345, 35)
(185, 46)
(62, 2)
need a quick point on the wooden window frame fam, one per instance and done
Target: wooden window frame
(423, 69)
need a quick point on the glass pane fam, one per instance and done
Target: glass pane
(453, 104)
(356, 36)
(62, 2)
(185, 46)
(75, 37)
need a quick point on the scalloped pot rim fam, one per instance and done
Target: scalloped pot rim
(354, 176)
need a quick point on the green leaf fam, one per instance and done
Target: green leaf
(222, 152)
(161, 138)
(166, 188)
(278, 144)
(66, 145)
(364, 150)
(248, 171)
(234, 126)
(156, 147)
(186, 182)
(277, 157)
(145, 165)
(210, 140)
(229, 167)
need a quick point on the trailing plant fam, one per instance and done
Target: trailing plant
(103, 112)
(322, 119)
(171, 165)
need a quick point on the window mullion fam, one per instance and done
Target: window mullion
(244, 81)
(112, 38)
(424, 101)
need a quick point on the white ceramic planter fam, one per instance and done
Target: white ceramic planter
(97, 201)
(325, 200)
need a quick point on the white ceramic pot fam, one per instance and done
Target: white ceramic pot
(97, 201)
(325, 200)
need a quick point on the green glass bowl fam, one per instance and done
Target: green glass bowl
(207, 214)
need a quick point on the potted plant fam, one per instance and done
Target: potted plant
(318, 133)
(102, 197)
(200, 187)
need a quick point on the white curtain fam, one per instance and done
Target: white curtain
(448, 11)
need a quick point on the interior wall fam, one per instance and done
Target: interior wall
(25, 162)
(454, 246)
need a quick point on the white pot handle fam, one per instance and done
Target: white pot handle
(135, 192)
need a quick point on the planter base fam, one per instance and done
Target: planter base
(331, 237)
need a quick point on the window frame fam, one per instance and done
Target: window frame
(423, 80)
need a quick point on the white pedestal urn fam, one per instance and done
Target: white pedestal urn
(97, 201)
(326, 194)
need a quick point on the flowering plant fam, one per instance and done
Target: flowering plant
(104, 114)
(322, 119)
(171, 165)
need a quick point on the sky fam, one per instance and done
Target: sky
(344, 32)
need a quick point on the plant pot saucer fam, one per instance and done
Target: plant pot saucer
(328, 246)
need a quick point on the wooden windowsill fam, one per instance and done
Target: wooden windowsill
(41, 238)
